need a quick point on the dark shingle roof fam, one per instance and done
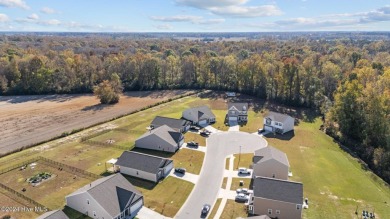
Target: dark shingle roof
(276, 189)
(143, 162)
(238, 106)
(279, 117)
(56, 214)
(268, 153)
(113, 193)
(176, 124)
(165, 133)
(200, 112)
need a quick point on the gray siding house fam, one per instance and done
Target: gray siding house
(144, 166)
(270, 162)
(56, 214)
(178, 125)
(276, 198)
(201, 115)
(109, 197)
(279, 123)
(237, 112)
(162, 138)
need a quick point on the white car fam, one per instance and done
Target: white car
(242, 197)
(243, 170)
(243, 190)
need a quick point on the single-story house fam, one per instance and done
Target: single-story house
(279, 123)
(162, 138)
(179, 125)
(276, 198)
(144, 166)
(56, 214)
(109, 197)
(270, 162)
(201, 115)
(237, 112)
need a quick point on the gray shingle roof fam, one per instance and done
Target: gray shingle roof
(165, 133)
(238, 106)
(143, 162)
(269, 153)
(113, 193)
(176, 124)
(56, 214)
(276, 189)
(200, 112)
(279, 117)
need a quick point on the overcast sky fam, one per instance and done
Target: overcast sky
(194, 15)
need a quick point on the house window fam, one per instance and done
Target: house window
(94, 213)
(273, 175)
(298, 207)
(268, 121)
(277, 211)
(233, 112)
(269, 211)
(87, 201)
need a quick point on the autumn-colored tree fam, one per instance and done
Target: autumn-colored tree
(109, 91)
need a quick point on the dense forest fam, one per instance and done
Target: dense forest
(347, 81)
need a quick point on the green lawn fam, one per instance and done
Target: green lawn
(220, 119)
(255, 121)
(215, 208)
(236, 183)
(190, 136)
(243, 160)
(166, 197)
(334, 182)
(234, 210)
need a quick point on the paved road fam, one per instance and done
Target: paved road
(219, 146)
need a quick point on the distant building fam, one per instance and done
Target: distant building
(230, 94)
(178, 125)
(237, 112)
(270, 162)
(162, 138)
(279, 123)
(144, 166)
(201, 115)
(276, 198)
(109, 197)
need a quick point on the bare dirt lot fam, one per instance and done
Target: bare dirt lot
(27, 120)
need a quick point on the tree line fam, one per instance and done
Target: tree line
(347, 81)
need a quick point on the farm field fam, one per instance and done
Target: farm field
(26, 120)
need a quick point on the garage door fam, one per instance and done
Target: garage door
(203, 122)
(268, 128)
(232, 119)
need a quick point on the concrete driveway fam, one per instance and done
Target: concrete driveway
(219, 146)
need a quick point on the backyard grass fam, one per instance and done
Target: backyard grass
(220, 119)
(190, 136)
(224, 182)
(234, 210)
(243, 160)
(71, 213)
(6, 201)
(215, 208)
(50, 192)
(333, 181)
(255, 121)
(236, 183)
(166, 197)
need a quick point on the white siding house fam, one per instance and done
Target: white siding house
(279, 123)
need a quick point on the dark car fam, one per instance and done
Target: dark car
(180, 170)
(205, 209)
(205, 133)
(261, 131)
(193, 144)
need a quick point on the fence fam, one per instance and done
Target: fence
(16, 166)
(95, 135)
(69, 168)
(20, 195)
(103, 144)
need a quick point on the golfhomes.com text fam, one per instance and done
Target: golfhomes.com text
(21, 209)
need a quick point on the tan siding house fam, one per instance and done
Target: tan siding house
(277, 198)
(270, 162)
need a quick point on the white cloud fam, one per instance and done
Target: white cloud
(14, 4)
(210, 21)
(232, 8)
(3, 18)
(164, 27)
(47, 10)
(50, 22)
(177, 18)
(33, 17)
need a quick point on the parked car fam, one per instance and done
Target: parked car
(243, 170)
(204, 134)
(243, 190)
(193, 144)
(242, 197)
(180, 170)
(261, 131)
(205, 209)
(194, 128)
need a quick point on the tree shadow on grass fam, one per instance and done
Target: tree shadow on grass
(148, 185)
(97, 107)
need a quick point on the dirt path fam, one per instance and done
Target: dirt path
(27, 120)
